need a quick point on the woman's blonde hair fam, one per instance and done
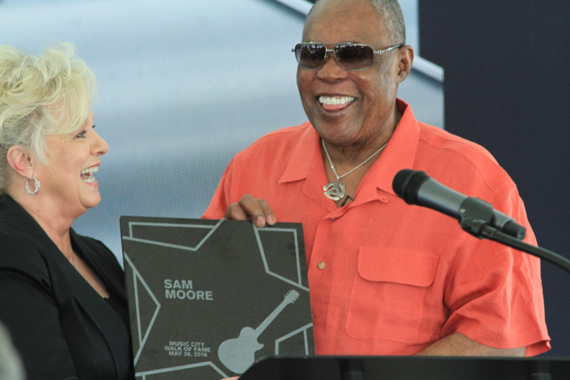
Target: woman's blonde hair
(40, 96)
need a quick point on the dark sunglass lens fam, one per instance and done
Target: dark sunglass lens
(354, 57)
(310, 56)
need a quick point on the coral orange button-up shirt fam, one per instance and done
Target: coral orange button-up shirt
(387, 278)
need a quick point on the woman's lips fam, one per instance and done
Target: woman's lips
(335, 103)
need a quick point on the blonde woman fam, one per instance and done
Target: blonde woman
(62, 295)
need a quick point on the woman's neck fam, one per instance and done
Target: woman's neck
(46, 213)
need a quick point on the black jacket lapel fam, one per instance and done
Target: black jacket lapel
(100, 312)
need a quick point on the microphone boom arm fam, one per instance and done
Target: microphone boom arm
(493, 234)
(475, 216)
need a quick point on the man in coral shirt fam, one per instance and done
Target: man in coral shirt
(385, 278)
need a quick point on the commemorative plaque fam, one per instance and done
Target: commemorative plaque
(207, 298)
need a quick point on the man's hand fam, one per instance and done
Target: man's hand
(249, 208)
(458, 344)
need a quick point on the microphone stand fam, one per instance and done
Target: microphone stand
(500, 237)
(477, 220)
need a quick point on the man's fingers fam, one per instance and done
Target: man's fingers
(235, 212)
(249, 208)
(267, 211)
(253, 209)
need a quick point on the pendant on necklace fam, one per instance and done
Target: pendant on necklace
(334, 190)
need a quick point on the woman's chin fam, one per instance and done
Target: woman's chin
(91, 201)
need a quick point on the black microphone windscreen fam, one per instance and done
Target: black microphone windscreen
(407, 183)
(401, 180)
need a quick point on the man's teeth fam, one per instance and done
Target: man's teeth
(334, 100)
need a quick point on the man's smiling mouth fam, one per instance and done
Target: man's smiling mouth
(335, 103)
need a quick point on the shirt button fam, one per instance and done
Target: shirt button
(321, 265)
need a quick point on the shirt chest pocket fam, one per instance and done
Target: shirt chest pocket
(387, 300)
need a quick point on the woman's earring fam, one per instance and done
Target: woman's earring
(37, 183)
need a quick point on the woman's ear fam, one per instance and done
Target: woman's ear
(21, 161)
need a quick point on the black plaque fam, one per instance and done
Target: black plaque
(209, 297)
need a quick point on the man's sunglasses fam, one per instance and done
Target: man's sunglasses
(350, 57)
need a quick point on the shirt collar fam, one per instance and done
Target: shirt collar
(306, 156)
(399, 154)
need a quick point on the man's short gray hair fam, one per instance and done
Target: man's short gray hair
(392, 16)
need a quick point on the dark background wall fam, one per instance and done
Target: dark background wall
(507, 81)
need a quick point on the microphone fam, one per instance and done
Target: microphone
(417, 188)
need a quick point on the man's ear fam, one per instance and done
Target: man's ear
(405, 63)
(21, 161)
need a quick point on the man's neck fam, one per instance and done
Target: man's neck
(346, 157)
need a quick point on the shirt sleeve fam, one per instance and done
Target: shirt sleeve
(221, 199)
(494, 293)
(32, 318)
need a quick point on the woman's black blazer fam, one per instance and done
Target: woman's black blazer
(61, 326)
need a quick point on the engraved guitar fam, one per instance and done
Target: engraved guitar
(238, 354)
